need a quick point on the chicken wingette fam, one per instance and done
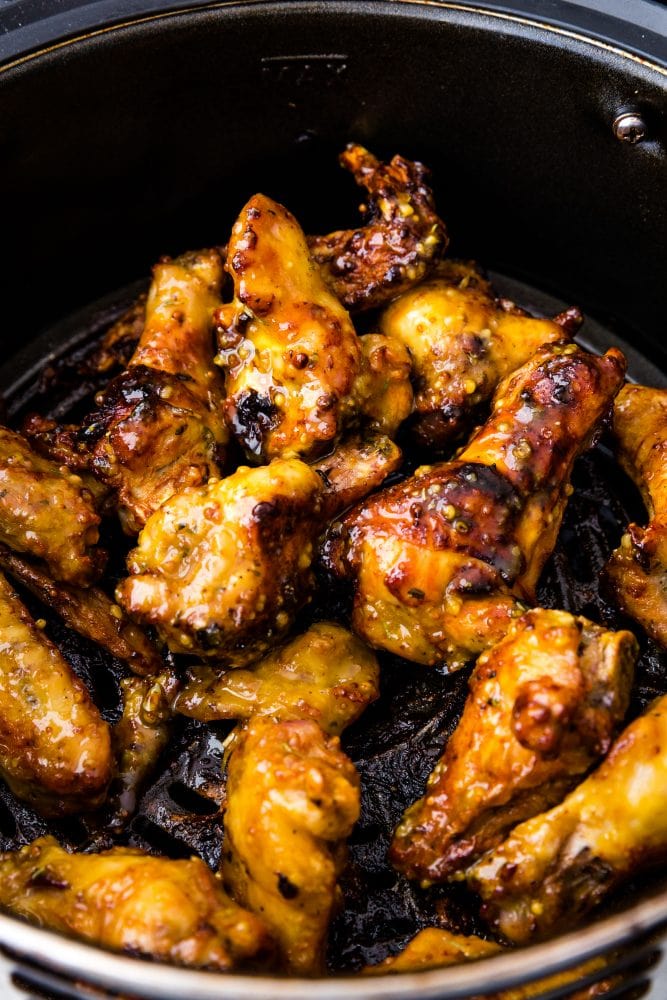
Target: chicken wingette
(129, 901)
(46, 512)
(287, 345)
(55, 748)
(159, 425)
(637, 571)
(326, 674)
(442, 562)
(462, 341)
(222, 569)
(553, 869)
(401, 240)
(292, 799)
(544, 704)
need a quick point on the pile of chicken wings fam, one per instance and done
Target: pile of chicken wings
(243, 440)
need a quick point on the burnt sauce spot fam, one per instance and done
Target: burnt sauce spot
(252, 418)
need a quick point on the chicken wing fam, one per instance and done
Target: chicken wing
(442, 562)
(326, 675)
(462, 340)
(543, 706)
(222, 569)
(637, 571)
(159, 425)
(402, 238)
(56, 748)
(383, 394)
(46, 512)
(90, 612)
(287, 345)
(554, 868)
(129, 901)
(292, 798)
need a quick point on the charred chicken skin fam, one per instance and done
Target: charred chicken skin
(326, 674)
(401, 240)
(442, 562)
(543, 706)
(159, 426)
(287, 345)
(554, 868)
(55, 751)
(222, 569)
(292, 799)
(46, 512)
(462, 340)
(637, 571)
(129, 901)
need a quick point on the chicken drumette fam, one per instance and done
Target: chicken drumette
(543, 706)
(442, 562)
(403, 237)
(637, 571)
(462, 340)
(159, 426)
(222, 569)
(56, 748)
(129, 901)
(554, 868)
(292, 799)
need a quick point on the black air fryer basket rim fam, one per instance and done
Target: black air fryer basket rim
(595, 22)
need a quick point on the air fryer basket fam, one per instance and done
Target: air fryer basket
(144, 135)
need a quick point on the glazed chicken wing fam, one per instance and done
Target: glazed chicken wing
(554, 868)
(159, 426)
(129, 901)
(90, 612)
(326, 674)
(462, 340)
(292, 798)
(383, 394)
(287, 345)
(222, 569)
(55, 751)
(402, 239)
(637, 571)
(543, 706)
(442, 561)
(46, 512)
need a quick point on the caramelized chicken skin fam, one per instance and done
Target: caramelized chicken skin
(326, 674)
(55, 751)
(554, 868)
(402, 238)
(46, 512)
(287, 345)
(292, 798)
(462, 340)
(543, 706)
(129, 901)
(442, 561)
(222, 569)
(637, 571)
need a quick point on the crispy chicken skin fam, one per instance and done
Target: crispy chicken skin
(637, 571)
(159, 425)
(402, 238)
(222, 569)
(326, 674)
(287, 345)
(543, 706)
(55, 751)
(90, 612)
(129, 901)
(46, 512)
(442, 561)
(462, 340)
(292, 798)
(554, 868)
